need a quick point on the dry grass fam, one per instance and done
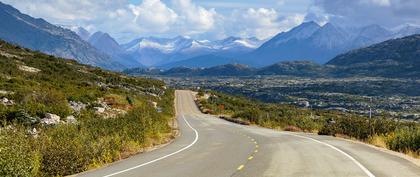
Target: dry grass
(291, 128)
(121, 102)
(378, 141)
(413, 154)
(130, 148)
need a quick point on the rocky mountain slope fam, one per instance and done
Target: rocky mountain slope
(392, 58)
(106, 44)
(38, 34)
(310, 41)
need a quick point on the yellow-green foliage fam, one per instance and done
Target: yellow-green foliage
(405, 140)
(17, 157)
(268, 115)
(66, 149)
(399, 136)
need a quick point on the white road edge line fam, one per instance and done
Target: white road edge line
(339, 150)
(163, 157)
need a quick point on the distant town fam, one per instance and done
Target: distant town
(396, 98)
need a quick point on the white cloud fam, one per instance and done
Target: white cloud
(317, 15)
(153, 15)
(388, 13)
(262, 22)
(120, 17)
(198, 19)
(67, 11)
(124, 20)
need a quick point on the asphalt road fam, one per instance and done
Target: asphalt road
(211, 147)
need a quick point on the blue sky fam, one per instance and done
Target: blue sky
(216, 19)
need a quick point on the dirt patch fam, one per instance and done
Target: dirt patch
(8, 55)
(291, 128)
(28, 69)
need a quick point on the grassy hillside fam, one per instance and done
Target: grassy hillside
(393, 58)
(380, 131)
(102, 116)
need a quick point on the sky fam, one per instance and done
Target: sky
(216, 19)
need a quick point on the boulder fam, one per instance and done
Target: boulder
(34, 132)
(154, 104)
(71, 120)
(99, 109)
(4, 92)
(50, 119)
(4, 100)
(7, 102)
(77, 106)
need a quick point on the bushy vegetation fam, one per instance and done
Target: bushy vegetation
(406, 140)
(398, 136)
(74, 148)
(267, 115)
(68, 148)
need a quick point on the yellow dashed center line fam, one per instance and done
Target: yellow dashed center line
(255, 150)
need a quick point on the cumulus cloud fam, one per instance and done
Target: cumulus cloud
(120, 17)
(167, 18)
(262, 22)
(198, 19)
(67, 11)
(388, 13)
(153, 15)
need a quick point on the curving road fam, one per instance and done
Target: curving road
(211, 147)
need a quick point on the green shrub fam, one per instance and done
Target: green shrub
(405, 140)
(65, 151)
(17, 156)
(22, 117)
(404, 137)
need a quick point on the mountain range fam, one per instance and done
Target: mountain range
(38, 34)
(152, 51)
(170, 52)
(395, 58)
(308, 41)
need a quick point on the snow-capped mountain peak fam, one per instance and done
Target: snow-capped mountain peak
(246, 43)
(407, 30)
(166, 45)
(302, 31)
(180, 43)
(155, 51)
(237, 43)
